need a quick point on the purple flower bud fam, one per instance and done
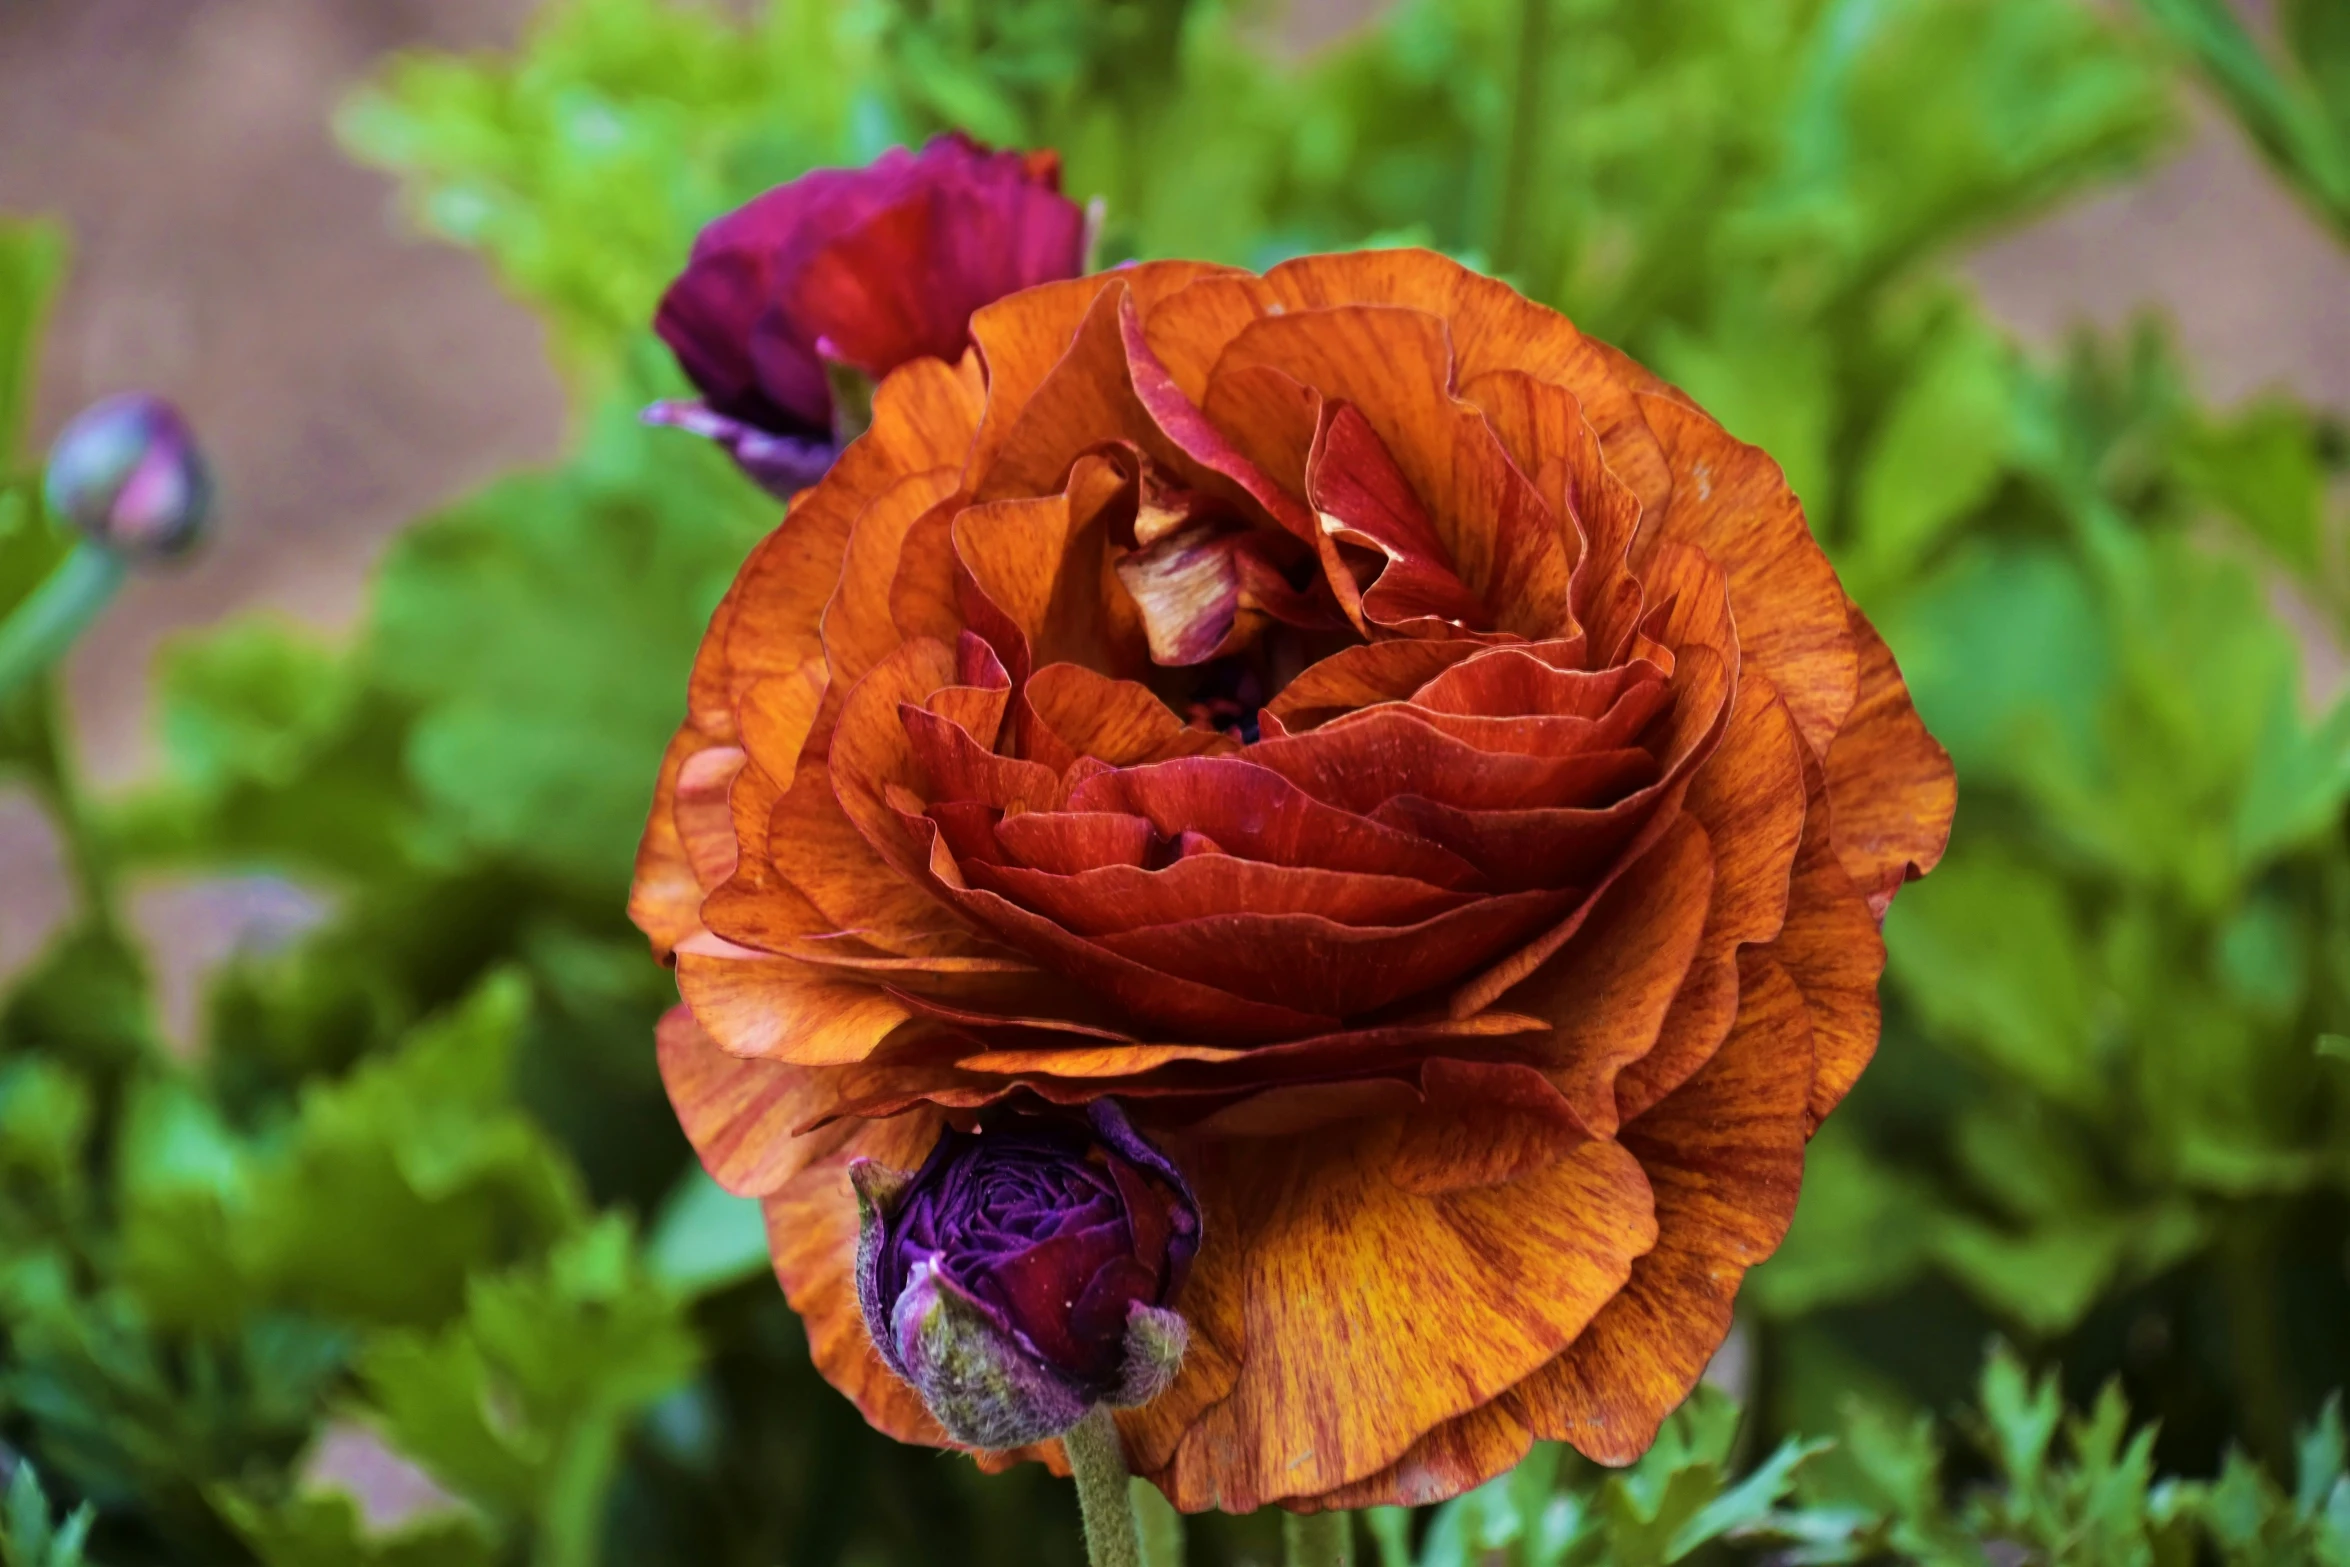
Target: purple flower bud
(1026, 1272)
(858, 270)
(126, 472)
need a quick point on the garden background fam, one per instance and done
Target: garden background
(341, 1217)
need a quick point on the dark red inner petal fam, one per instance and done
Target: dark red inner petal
(1265, 722)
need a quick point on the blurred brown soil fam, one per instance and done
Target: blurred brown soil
(348, 375)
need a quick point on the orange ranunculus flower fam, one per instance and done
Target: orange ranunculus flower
(1407, 754)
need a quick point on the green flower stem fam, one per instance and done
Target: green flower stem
(1318, 1539)
(32, 720)
(1097, 1461)
(1160, 1523)
(45, 624)
(2248, 1290)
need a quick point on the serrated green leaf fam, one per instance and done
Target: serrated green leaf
(1747, 1503)
(1941, 447)
(543, 630)
(1990, 954)
(418, 1155)
(2300, 777)
(1862, 1229)
(521, 1404)
(2261, 469)
(2321, 1459)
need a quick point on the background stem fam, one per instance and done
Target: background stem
(1511, 240)
(1097, 1462)
(44, 750)
(1161, 1525)
(2248, 1284)
(1318, 1539)
(39, 630)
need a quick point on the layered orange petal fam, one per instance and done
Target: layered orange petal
(1412, 757)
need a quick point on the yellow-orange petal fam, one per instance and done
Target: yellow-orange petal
(664, 894)
(1725, 1155)
(1890, 782)
(1493, 327)
(1119, 722)
(924, 417)
(779, 1010)
(776, 716)
(870, 755)
(1023, 339)
(1542, 424)
(824, 863)
(1830, 948)
(858, 631)
(1731, 501)
(1750, 797)
(742, 1116)
(1372, 1314)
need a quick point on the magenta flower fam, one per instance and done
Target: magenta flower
(859, 269)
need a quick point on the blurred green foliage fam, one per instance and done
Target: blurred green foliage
(2053, 1487)
(404, 1261)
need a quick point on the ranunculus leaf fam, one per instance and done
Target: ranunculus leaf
(419, 1151)
(1990, 953)
(1937, 452)
(543, 628)
(1863, 1230)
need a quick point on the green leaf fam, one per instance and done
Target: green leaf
(706, 1238)
(2046, 1277)
(1862, 1230)
(32, 265)
(47, 1113)
(1768, 381)
(2009, 658)
(29, 1533)
(84, 999)
(1988, 951)
(1652, 1511)
(2261, 468)
(2299, 778)
(2321, 1459)
(522, 1403)
(1939, 451)
(249, 702)
(1746, 1504)
(543, 630)
(418, 1155)
(2021, 1414)
(584, 164)
(2318, 32)
(332, 1531)
(2285, 119)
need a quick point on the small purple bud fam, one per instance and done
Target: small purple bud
(127, 474)
(984, 1385)
(1026, 1272)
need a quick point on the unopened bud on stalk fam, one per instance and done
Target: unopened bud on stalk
(127, 474)
(1023, 1275)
